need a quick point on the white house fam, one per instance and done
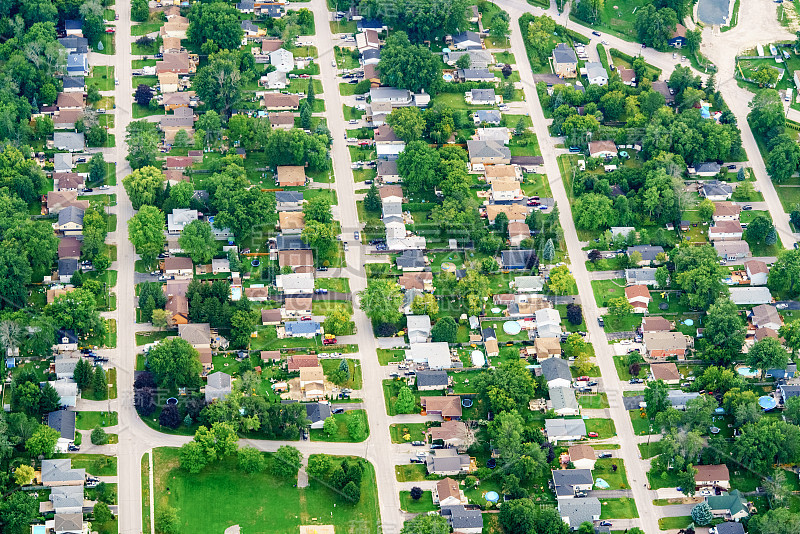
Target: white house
(757, 271)
(282, 59)
(435, 355)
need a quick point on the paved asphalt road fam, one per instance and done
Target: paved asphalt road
(136, 438)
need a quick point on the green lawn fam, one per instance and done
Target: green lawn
(674, 523)
(410, 472)
(342, 434)
(143, 338)
(604, 427)
(340, 285)
(415, 431)
(622, 508)
(146, 27)
(593, 402)
(390, 355)
(102, 77)
(626, 323)
(90, 420)
(261, 502)
(140, 112)
(604, 469)
(146, 492)
(649, 450)
(98, 465)
(641, 425)
(331, 365)
(605, 290)
(624, 373)
(422, 505)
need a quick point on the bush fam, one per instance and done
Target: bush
(99, 436)
(416, 493)
(170, 417)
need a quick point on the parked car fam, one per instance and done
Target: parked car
(88, 190)
(415, 460)
(596, 33)
(600, 321)
(747, 207)
(356, 236)
(73, 448)
(605, 523)
(418, 443)
(337, 410)
(605, 455)
(321, 291)
(593, 435)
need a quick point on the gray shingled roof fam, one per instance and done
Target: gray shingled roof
(431, 378)
(579, 510)
(555, 368)
(70, 214)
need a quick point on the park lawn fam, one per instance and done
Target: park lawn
(331, 365)
(416, 431)
(410, 472)
(390, 355)
(605, 290)
(674, 523)
(108, 44)
(622, 508)
(604, 427)
(90, 420)
(98, 465)
(340, 285)
(240, 498)
(422, 505)
(342, 435)
(593, 402)
(603, 468)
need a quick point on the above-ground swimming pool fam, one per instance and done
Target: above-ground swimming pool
(512, 328)
(747, 372)
(447, 77)
(767, 402)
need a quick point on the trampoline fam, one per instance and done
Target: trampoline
(713, 430)
(466, 403)
(256, 262)
(512, 328)
(663, 306)
(767, 402)
(172, 401)
(492, 496)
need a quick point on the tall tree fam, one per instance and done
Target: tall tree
(142, 140)
(144, 186)
(219, 83)
(408, 66)
(146, 232)
(198, 241)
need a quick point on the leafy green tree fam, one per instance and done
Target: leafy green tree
(724, 332)
(655, 396)
(43, 442)
(23, 475)
(561, 281)
(372, 200)
(445, 330)
(767, 354)
(330, 427)
(76, 310)
(405, 403)
(175, 363)
(783, 159)
(706, 209)
(49, 401)
(408, 66)
(337, 321)
(286, 461)
(355, 426)
(619, 307)
(381, 301)
(251, 460)
(97, 168)
(219, 83)
(408, 123)
(701, 514)
(655, 26)
(518, 516)
(83, 373)
(198, 241)
(538, 37)
(102, 513)
(240, 208)
(699, 274)
(784, 276)
(319, 464)
(140, 11)
(506, 387)
(18, 510)
(418, 165)
(99, 436)
(192, 457)
(766, 116)
(426, 524)
(218, 22)
(142, 140)
(146, 232)
(167, 521)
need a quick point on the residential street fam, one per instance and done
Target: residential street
(136, 438)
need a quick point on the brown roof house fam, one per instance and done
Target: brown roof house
(767, 316)
(301, 261)
(664, 344)
(298, 361)
(726, 211)
(258, 294)
(283, 120)
(280, 102)
(448, 407)
(421, 281)
(291, 222)
(517, 233)
(656, 324)
(294, 307)
(547, 347)
(447, 493)
(602, 149)
(453, 433)
(177, 308)
(291, 176)
(271, 317)
(58, 200)
(666, 371)
(178, 266)
(582, 456)
(639, 297)
(713, 476)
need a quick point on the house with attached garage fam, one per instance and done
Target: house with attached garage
(282, 120)
(304, 329)
(726, 211)
(786, 392)
(678, 399)
(495, 133)
(487, 116)
(644, 276)
(568, 482)
(750, 296)
(446, 463)
(528, 284)
(291, 222)
(502, 172)
(446, 492)
(602, 149)
(411, 260)
(452, 433)
(300, 261)
(548, 322)
(66, 268)
(564, 429)
(547, 347)
(478, 58)
(731, 506)
(649, 253)
(63, 500)
(271, 317)
(517, 233)
(435, 355)
(582, 456)
(712, 476)
(179, 219)
(419, 328)
(60, 473)
(575, 512)
(218, 386)
(317, 412)
(387, 172)
(180, 267)
(659, 345)
(463, 520)
(726, 231)
(280, 102)
(503, 191)
(557, 373)
(766, 316)
(282, 60)
(475, 75)
(70, 221)
(58, 200)
(198, 335)
(732, 250)
(716, 191)
(482, 153)
(63, 422)
(274, 80)
(421, 281)
(447, 407)
(666, 372)
(371, 56)
(467, 40)
(289, 200)
(290, 175)
(596, 74)
(678, 37)
(295, 284)
(69, 141)
(481, 97)
(516, 259)
(68, 181)
(639, 297)
(296, 307)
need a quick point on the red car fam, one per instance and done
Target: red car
(329, 341)
(584, 379)
(110, 30)
(593, 435)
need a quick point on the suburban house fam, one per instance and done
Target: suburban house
(65, 340)
(575, 512)
(643, 276)
(757, 272)
(766, 316)
(596, 74)
(178, 266)
(290, 175)
(495, 133)
(448, 463)
(713, 476)
(68, 181)
(729, 527)
(716, 191)
(602, 149)
(705, 169)
(548, 322)
(562, 400)
(506, 191)
(282, 120)
(63, 422)
(419, 328)
(300, 261)
(482, 153)
(565, 62)
(516, 259)
(564, 429)
(628, 76)
(665, 371)
(678, 37)
(312, 381)
(568, 482)
(726, 231)
(289, 200)
(70, 221)
(60, 473)
(468, 40)
(678, 399)
(432, 380)
(547, 348)
(295, 284)
(282, 60)
(750, 296)
(487, 116)
(726, 211)
(298, 361)
(64, 500)
(664, 344)
(475, 75)
(788, 391)
(317, 412)
(77, 64)
(517, 233)
(582, 456)
(447, 493)
(304, 329)
(452, 433)
(291, 222)
(296, 307)
(731, 506)
(218, 386)
(58, 200)
(732, 250)
(463, 520)
(271, 316)
(177, 308)
(280, 102)
(421, 281)
(481, 97)
(557, 373)
(69, 141)
(387, 172)
(411, 260)
(639, 297)
(198, 335)
(514, 212)
(478, 58)
(649, 253)
(448, 407)
(179, 219)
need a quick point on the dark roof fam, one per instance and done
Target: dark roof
(72, 82)
(554, 368)
(318, 411)
(411, 258)
(466, 36)
(527, 160)
(67, 267)
(459, 517)
(730, 527)
(369, 25)
(72, 24)
(290, 242)
(648, 252)
(431, 378)
(516, 258)
(66, 332)
(62, 421)
(488, 333)
(81, 44)
(371, 53)
(288, 196)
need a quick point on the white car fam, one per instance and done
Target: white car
(333, 63)
(782, 306)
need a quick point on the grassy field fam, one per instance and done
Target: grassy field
(102, 77)
(95, 464)
(342, 434)
(410, 472)
(673, 523)
(605, 290)
(622, 508)
(604, 427)
(422, 505)
(416, 431)
(355, 382)
(390, 355)
(146, 492)
(604, 468)
(593, 402)
(340, 285)
(90, 420)
(240, 499)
